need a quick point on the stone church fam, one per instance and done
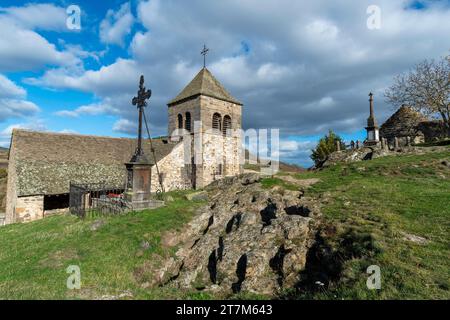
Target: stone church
(203, 144)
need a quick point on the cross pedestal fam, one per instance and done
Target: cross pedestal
(138, 184)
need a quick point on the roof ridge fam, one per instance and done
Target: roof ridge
(76, 134)
(204, 83)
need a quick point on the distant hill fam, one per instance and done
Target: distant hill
(283, 166)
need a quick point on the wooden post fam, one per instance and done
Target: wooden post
(396, 145)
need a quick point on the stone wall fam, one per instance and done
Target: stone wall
(209, 106)
(192, 106)
(29, 208)
(433, 130)
(218, 151)
(173, 170)
(11, 191)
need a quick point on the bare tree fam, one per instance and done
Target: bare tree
(425, 88)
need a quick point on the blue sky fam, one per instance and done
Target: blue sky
(303, 67)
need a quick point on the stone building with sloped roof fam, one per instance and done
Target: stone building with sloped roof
(42, 164)
(408, 124)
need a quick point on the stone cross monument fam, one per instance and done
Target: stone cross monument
(139, 168)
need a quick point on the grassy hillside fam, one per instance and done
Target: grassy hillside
(116, 255)
(370, 209)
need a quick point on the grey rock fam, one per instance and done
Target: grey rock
(246, 239)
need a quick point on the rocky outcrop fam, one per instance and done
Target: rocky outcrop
(369, 153)
(247, 239)
(353, 155)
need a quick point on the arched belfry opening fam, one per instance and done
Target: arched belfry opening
(226, 124)
(217, 121)
(180, 122)
(187, 124)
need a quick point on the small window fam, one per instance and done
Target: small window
(187, 125)
(180, 121)
(226, 124)
(217, 121)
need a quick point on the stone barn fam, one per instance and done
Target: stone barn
(201, 147)
(403, 124)
(408, 124)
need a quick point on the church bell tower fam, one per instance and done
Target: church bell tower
(211, 117)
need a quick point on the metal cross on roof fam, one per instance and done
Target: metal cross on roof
(204, 53)
(140, 102)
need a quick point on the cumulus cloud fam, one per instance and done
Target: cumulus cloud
(93, 109)
(14, 108)
(125, 126)
(12, 103)
(302, 66)
(42, 16)
(24, 49)
(116, 25)
(9, 89)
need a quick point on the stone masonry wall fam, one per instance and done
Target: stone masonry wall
(173, 170)
(192, 106)
(218, 149)
(29, 208)
(11, 192)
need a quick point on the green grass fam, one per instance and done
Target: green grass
(34, 256)
(269, 183)
(385, 198)
(366, 205)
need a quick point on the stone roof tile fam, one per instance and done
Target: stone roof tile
(204, 83)
(46, 162)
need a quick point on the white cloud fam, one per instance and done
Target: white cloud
(116, 25)
(42, 16)
(12, 103)
(9, 89)
(23, 49)
(93, 109)
(14, 108)
(125, 126)
(110, 79)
